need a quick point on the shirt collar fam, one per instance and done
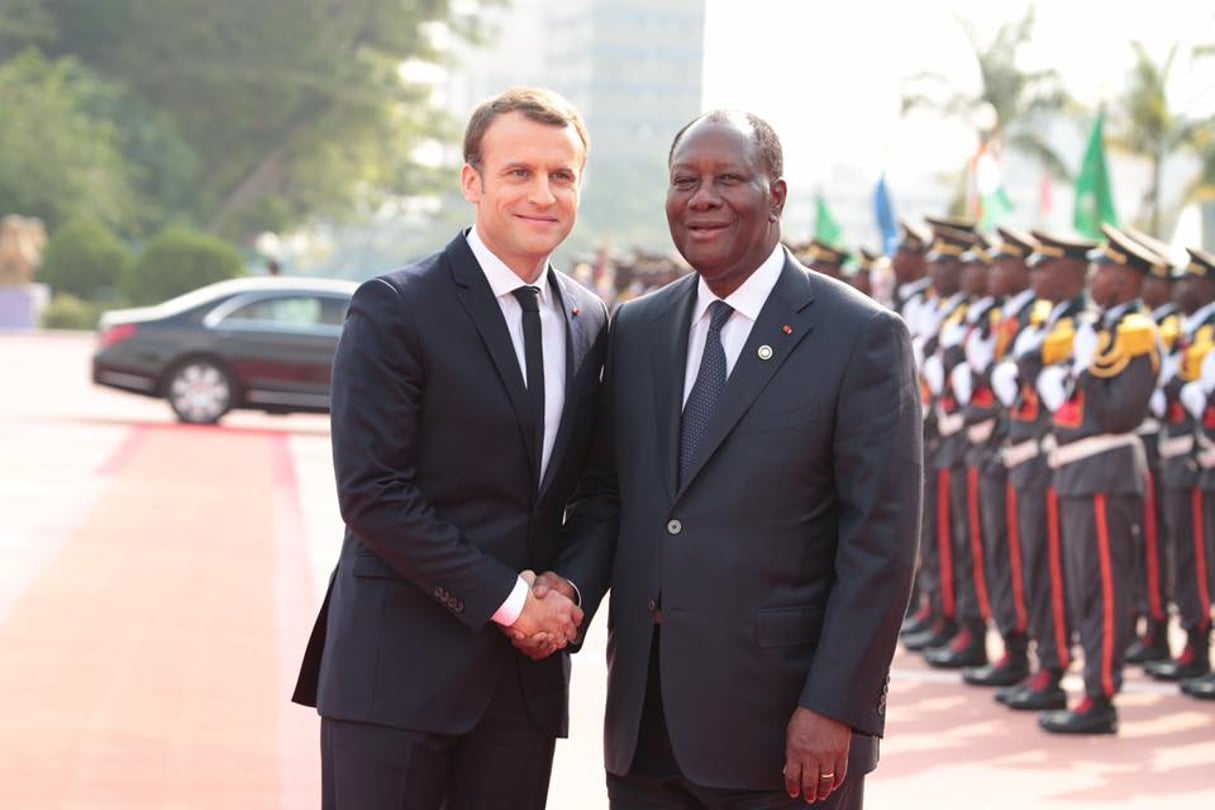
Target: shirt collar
(912, 287)
(749, 298)
(502, 280)
(1115, 313)
(1018, 302)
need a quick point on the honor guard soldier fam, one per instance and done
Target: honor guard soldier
(1098, 396)
(863, 271)
(945, 458)
(1057, 277)
(976, 405)
(1183, 449)
(1151, 573)
(911, 280)
(1201, 404)
(986, 346)
(825, 258)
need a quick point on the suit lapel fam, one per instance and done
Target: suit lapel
(669, 340)
(768, 346)
(576, 347)
(477, 298)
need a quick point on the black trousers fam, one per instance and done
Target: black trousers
(968, 553)
(1038, 528)
(1005, 557)
(654, 781)
(1098, 537)
(928, 573)
(1151, 585)
(504, 762)
(1186, 518)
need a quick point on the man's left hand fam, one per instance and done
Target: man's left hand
(816, 755)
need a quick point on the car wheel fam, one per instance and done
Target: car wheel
(199, 392)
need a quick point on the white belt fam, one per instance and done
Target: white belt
(1174, 446)
(1091, 446)
(1014, 455)
(1149, 426)
(949, 424)
(980, 431)
(1206, 453)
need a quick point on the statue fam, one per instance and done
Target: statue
(22, 240)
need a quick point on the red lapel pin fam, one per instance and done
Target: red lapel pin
(576, 311)
(787, 329)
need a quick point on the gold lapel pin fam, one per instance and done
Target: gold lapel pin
(765, 352)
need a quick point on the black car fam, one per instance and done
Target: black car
(263, 343)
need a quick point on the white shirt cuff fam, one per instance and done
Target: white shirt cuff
(509, 612)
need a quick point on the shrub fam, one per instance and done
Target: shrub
(66, 311)
(84, 259)
(176, 261)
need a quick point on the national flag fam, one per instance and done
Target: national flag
(884, 212)
(1094, 198)
(826, 229)
(993, 203)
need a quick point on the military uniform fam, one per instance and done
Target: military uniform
(1100, 379)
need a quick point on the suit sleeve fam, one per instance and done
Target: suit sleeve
(878, 467)
(593, 517)
(378, 379)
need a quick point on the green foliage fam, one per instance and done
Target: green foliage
(176, 261)
(66, 311)
(56, 161)
(84, 258)
(24, 23)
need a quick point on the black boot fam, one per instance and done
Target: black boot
(1011, 669)
(940, 633)
(919, 621)
(1094, 715)
(967, 649)
(1202, 688)
(1194, 661)
(1042, 693)
(1153, 645)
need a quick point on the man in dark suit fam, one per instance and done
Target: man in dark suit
(753, 505)
(464, 389)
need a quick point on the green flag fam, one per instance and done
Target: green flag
(826, 229)
(1094, 199)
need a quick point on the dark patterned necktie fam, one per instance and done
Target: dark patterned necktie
(533, 354)
(706, 391)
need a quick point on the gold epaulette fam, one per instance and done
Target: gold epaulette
(1192, 357)
(994, 316)
(1040, 314)
(1135, 337)
(1057, 346)
(1170, 330)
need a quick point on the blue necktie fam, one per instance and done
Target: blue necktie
(706, 391)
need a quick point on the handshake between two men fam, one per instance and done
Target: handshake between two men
(551, 618)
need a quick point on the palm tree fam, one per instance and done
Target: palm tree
(1144, 123)
(1016, 96)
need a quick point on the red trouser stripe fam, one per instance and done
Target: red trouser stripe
(1014, 559)
(976, 541)
(1152, 545)
(1057, 595)
(945, 545)
(1109, 619)
(1200, 556)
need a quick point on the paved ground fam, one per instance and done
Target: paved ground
(157, 583)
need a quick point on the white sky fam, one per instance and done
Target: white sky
(827, 75)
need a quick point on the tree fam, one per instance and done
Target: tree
(84, 259)
(57, 161)
(1016, 96)
(1145, 124)
(295, 107)
(176, 261)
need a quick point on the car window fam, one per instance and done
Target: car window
(288, 311)
(333, 311)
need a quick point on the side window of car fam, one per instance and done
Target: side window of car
(293, 311)
(333, 311)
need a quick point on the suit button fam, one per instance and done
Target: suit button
(438, 593)
(651, 606)
(674, 527)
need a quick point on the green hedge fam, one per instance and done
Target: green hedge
(84, 259)
(176, 261)
(66, 311)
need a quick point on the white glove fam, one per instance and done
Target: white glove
(1170, 365)
(1052, 387)
(934, 374)
(1158, 404)
(962, 382)
(1194, 398)
(1004, 382)
(1028, 340)
(1084, 348)
(917, 351)
(954, 334)
(1206, 374)
(979, 351)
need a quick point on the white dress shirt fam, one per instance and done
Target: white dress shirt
(503, 282)
(747, 301)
